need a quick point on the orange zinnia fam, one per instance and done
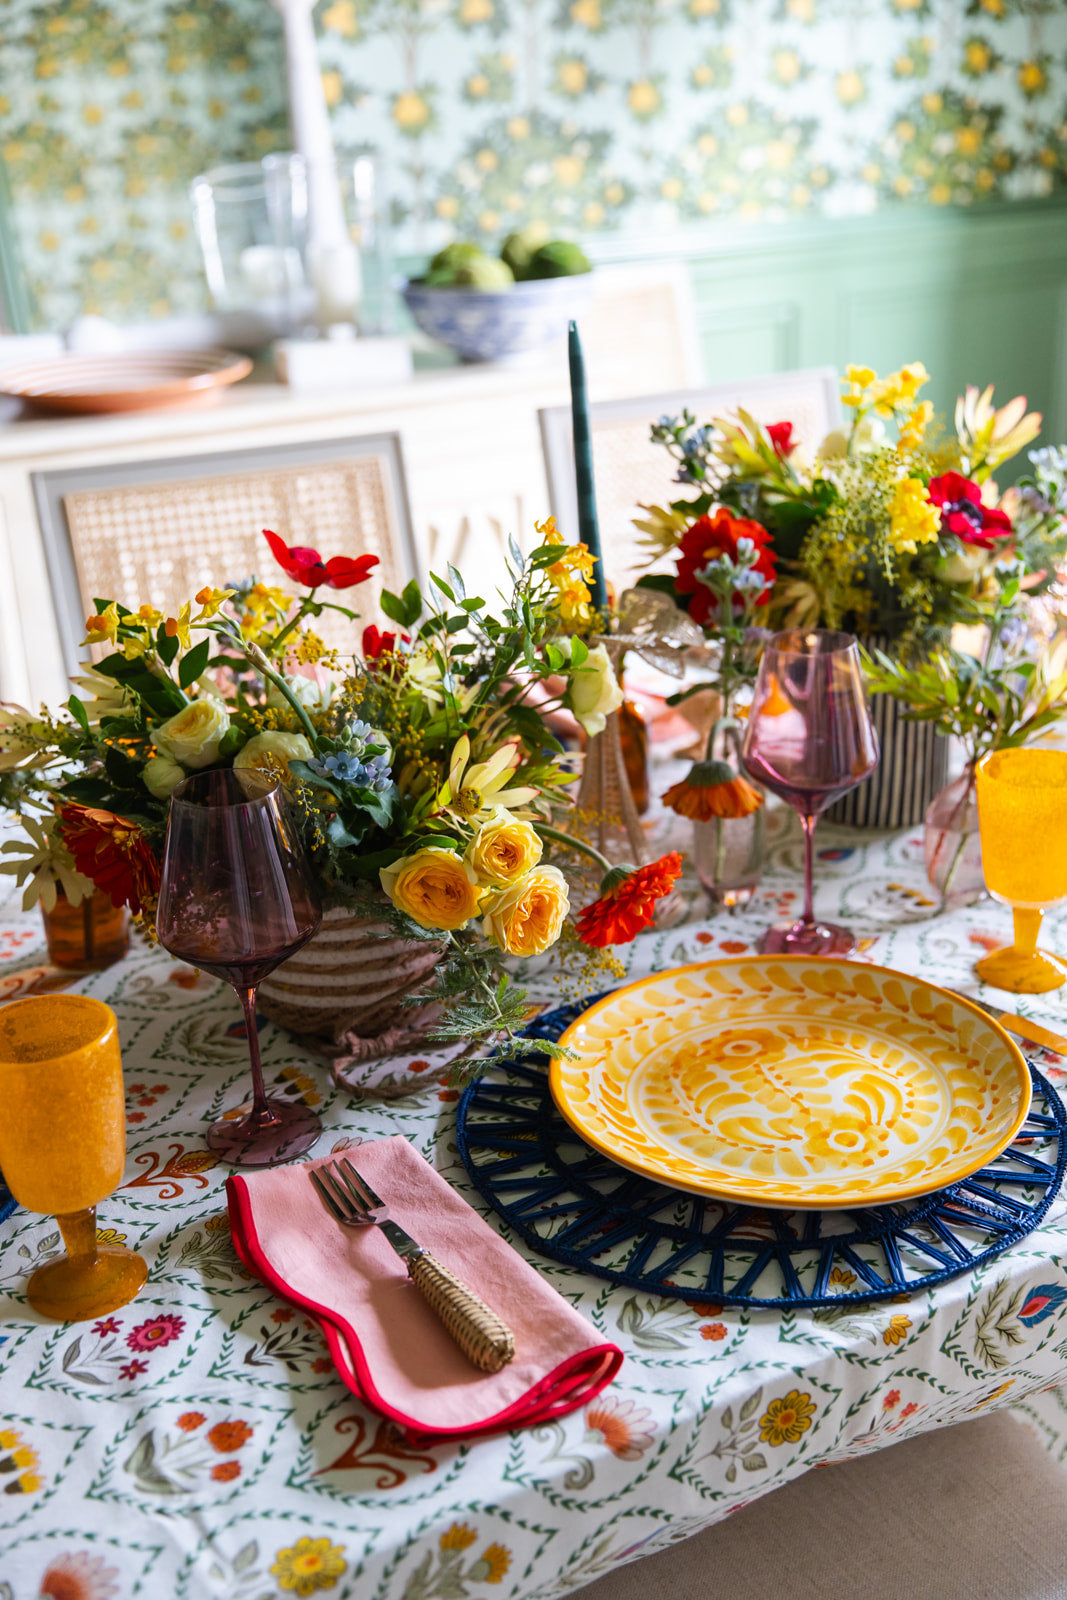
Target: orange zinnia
(627, 902)
(113, 853)
(713, 789)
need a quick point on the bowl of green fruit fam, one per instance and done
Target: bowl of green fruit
(493, 308)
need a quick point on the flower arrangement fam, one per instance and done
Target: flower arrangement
(421, 772)
(901, 536)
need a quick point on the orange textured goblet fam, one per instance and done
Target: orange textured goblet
(1022, 818)
(63, 1144)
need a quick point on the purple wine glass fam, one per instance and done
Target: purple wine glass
(810, 738)
(237, 898)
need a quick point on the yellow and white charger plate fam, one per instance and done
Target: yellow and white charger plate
(792, 1081)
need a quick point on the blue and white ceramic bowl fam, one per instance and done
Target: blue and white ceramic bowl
(498, 324)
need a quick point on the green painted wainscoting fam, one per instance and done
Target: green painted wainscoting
(979, 296)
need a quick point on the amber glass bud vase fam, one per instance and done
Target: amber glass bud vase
(633, 735)
(87, 937)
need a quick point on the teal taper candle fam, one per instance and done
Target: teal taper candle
(588, 531)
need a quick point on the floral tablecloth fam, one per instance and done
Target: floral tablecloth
(196, 1444)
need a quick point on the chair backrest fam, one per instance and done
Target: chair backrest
(158, 531)
(630, 471)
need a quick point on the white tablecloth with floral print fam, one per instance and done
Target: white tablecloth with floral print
(197, 1444)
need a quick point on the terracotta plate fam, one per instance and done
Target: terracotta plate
(135, 380)
(792, 1081)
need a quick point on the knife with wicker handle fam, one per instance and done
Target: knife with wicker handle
(484, 1339)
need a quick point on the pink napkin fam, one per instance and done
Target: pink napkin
(386, 1343)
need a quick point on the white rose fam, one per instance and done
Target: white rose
(194, 735)
(270, 754)
(161, 776)
(305, 691)
(593, 691)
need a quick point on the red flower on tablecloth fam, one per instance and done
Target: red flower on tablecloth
(892, 1399)
(113, 853)
(106, 1325)
(963, 513)
(909, 1410)
(625, 1427)
(627, 901)
(306, 566)
(226, 1471)
(706, 540)
(156, 1331)
(133, 1369)
(79, 1576)
(189, 1421)
(781, 436)
(227, 1436)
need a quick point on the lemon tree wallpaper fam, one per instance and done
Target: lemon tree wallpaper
(627, 115)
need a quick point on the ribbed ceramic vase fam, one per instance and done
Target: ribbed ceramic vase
(343, 996)
(912, 769)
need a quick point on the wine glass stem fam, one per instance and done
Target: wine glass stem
(79, 1235)
(259, 1093)
(1027, 922)
(808, 824)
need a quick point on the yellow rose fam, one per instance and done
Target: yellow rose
(194, 735)
(161, 776)
(593, 691)
(270, 754)
(503, 849)
(434, 887)
(526, 918)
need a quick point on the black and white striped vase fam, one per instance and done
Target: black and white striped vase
(912, 769)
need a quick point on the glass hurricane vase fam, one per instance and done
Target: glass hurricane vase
(86, 937)
(728, 852)
(952, 843)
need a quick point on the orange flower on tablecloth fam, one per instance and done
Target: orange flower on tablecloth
(226, 1471)
(627, 901)
(113, 853)
(713, 1331)
(497, 1557)
(458, 1537)
(227, 1436)
(189, 1421)
(785, 1420)
(892, 1399)
(897, 1330)
(78, 1575)
(712, 789)
(625, 1427)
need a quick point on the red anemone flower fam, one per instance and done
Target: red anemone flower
(627, 902)
(113, 853)
(963, 513)
(306, 566)
(708, 538)
(781, 436)
(376, 643)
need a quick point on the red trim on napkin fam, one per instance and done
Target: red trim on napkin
(387, 1345)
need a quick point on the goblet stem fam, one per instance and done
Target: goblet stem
(1027, 927)
(79, 1235)
(260, 1108)
(808, 824)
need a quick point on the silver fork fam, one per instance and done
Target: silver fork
(478, 1331)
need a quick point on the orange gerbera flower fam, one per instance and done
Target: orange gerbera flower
(113, 853)
(627, 901)
(713, 789)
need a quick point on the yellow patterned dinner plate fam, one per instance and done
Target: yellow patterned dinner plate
(792, 1081)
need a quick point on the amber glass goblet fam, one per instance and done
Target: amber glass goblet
(1022, 819)
(63, 1145)
(237, 897)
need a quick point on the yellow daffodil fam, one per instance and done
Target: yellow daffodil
(912, 519)
(914, 427)
(134, 645)
(149, 617)
(105, 625)
(568, 574)
(209, 600)
(178, 627)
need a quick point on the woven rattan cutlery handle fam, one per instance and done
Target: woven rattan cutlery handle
(479, 1332)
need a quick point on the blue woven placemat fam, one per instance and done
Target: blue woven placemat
(571, 1203)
